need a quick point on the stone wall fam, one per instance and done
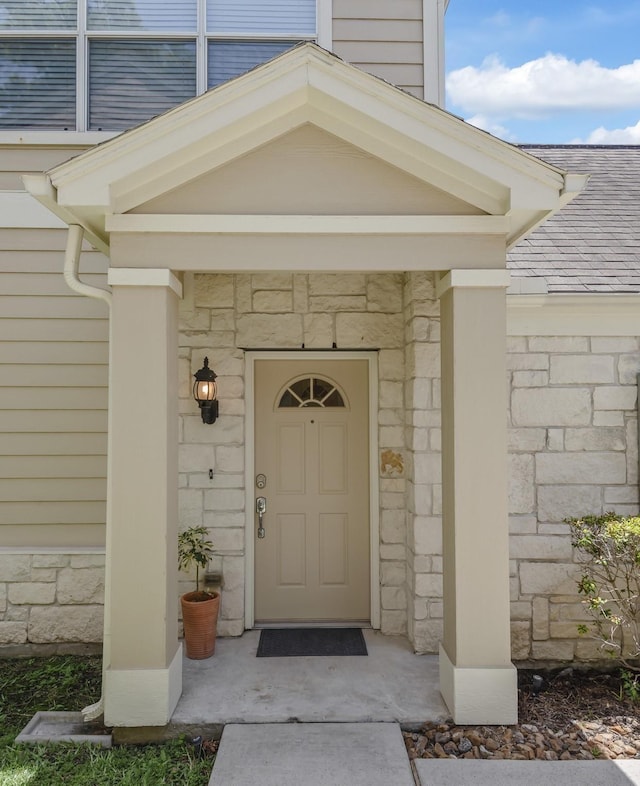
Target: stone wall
(423, 437)
(224, 314)
(573, 451)
(51, 602)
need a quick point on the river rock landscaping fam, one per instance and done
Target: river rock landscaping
(564, 714)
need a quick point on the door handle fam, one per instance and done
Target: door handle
(261, 509)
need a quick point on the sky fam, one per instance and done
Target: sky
(546, 71)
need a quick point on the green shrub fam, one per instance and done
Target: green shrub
(609, 548)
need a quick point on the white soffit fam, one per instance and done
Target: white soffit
(307, 85)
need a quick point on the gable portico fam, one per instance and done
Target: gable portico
(440, 196)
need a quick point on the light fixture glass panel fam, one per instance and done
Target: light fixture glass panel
(228, 59)
(277, 17)
(39, 14)
(206, 390)
(38, 83)
(144, 15)
(133, 80)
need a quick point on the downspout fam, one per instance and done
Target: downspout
(72, 262)
(71, 266)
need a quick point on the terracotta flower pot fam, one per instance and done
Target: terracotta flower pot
(200, 618)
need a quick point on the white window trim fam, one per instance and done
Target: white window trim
(374, 484)
(201, 37)
(324, 23)
(433, 59)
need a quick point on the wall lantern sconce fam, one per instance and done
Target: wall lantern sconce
(205, 392)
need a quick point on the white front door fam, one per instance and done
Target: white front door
(312, 449)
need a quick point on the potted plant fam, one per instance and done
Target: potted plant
(199, 608)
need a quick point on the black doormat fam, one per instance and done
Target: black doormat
(297, 642)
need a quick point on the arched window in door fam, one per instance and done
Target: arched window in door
(311, 391)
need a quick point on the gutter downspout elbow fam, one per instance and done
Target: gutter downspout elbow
(71, 266)
(72, 263)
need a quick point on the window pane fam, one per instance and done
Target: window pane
(37, 83)
(134, 80)
(232, 58)
(38, 14)
(147, 15)
(262, 16)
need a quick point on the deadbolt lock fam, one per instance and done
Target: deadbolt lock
(261, 481)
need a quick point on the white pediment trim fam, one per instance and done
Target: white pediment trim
(305, 85)
(307, 225)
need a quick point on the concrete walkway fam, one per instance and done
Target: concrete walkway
(335, 722)
(373, 754)
(312, 754)
(467, 772)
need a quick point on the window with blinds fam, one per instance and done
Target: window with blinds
(113, 64)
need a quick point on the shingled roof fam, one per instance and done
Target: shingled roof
(592, 244)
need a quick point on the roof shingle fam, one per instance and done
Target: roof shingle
(593, 243)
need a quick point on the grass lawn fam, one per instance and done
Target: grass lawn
(71, 683)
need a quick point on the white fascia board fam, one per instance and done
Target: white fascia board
(182, 166)
(40, 187)
(436, 127)
(457, 149)
(573, 315)
(272, 89)
(307, 225)
(185, 149)
(281, 86)
(408, 155)
(524, 222)
(20, 210)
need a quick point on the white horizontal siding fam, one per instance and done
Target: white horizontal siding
(50, 445)
(50, 512)
(75, 307)
(53, 383)
(18, 160)
(45, 421)
(383, 38)
(62, 352)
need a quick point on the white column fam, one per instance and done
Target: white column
(477, 680)
(143, 668)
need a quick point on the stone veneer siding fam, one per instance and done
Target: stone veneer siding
(572, 451)
(279, 311)
(51, 602)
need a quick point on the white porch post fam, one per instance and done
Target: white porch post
(143, 669)
(477, 680)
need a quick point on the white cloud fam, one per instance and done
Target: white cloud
(539, 87)
(616, 136)
(486, 124)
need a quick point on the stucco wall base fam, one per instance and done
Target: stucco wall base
(142, 697)
(479, 695)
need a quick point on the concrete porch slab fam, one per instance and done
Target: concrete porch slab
(390, 684)
(470, 772)
(316, 754)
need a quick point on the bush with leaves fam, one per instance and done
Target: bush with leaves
(609, 548)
